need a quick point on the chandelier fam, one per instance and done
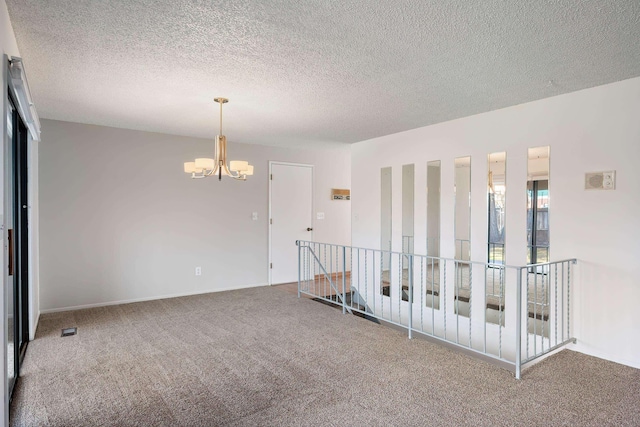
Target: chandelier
(205, 167)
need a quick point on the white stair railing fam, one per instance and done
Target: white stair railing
(509, 315)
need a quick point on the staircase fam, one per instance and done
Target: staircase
(357, 309)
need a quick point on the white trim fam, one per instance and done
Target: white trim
(584, 349)
(129, 301)
(275, 162)
(33, 230)
(35, 327)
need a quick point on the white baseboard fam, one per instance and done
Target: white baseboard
(129, 301)
(603, 355)
(32, 332)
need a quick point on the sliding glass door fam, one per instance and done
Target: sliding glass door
(17, 321)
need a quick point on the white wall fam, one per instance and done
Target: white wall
(591, 130)
(408, 190)
(121, 221)
(7, 37)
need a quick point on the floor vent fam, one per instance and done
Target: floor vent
(67, 332)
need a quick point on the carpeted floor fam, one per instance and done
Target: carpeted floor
(261, 357)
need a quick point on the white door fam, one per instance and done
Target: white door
(291, 217)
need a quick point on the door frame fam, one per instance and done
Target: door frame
(5, 246)
(17, 88)
(17, 166)
(22, 232)
(270, 179)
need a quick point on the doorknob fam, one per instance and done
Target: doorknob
(309, 229)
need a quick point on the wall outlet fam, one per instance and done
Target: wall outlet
(254, 216)
(198, 271)
(320, 215)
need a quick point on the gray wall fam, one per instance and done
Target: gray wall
(121, 221)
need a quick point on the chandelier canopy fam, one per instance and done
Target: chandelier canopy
(205, 167)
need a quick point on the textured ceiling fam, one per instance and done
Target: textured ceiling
(301, 72)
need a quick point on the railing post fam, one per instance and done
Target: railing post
(299, 271)
(410, 323)
(519, 323)
(344, 280)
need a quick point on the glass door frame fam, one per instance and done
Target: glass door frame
(18, 257)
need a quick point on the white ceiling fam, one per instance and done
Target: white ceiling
(301, 72)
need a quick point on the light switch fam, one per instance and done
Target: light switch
(254, 216)
(609, 180)
(320, 215)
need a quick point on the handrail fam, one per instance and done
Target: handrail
(513, 314)
(333, 286)
(488, 264)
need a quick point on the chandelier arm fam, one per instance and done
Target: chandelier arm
(228, 172)
(237, 174)
(212, 171)
(239, 177)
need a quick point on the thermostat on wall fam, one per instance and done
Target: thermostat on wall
(600, 180)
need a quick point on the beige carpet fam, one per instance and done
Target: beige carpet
(261, 357)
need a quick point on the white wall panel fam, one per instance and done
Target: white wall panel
(591, 130)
